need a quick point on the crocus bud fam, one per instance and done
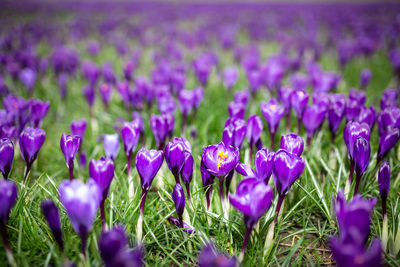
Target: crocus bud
(362, 151)
(292, 143)
(273, 113)
(229, 76)
(111, 146)
(208, 180)
(263, 162)
(115, 251)
(384, 183)
(69, 146)
(254, 129)
(352, 131)
(358, 96)
(336, 112)
(353, 109)
(236, 110)
(160, 127)
(89, 94)
(105, 93)
(102, 172)
(147, 162)
(30, 142)
(78, 127)
(82, 158)
(175, 157)
(38, 110)
(50, 212)
(365, 78)
(187, 172)
(6, 156)
(287, 168)
(178, 196)
(210, 257)
(387, 140)
(8, 196)
(81, 202)
(28, 78)
(313, 117)
(298, 101)
(367, 115)
(234, 132)
(186, 101)
(130, 137)
(242, 97)
(389, 98)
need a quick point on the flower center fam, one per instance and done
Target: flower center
(272, 107)
(221, 156)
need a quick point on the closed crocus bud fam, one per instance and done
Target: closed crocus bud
(105, 93)
(130, 138)
(352, 131)
(367, 115)
(353, 109)
(38, 110)
(298, 101)
(187, 172)
(254, 80)
(28, 78)
(178, 196)
(292, 143)
(115, 251)
(175, 157)
(50, 212)
(128, 70)
(387, 140)
(273, 113)
(362, 151)
(384, 183)
(89, 94)
(242, 97)
(254, 129)
(8, 196)
(198, 96)
(102, 172)
(186, 101)
(389, 98)
(336, 112)
(210, 257)
(358, 96)
(236, 110)
(81, 201)
(253, 198)
(365, 78)
(69, 146)
(30, 142)
(147, 162)
(78, 127)
(234, 132)
(263, 162)
(111, 146)
(229, 76)
(159, 125)
(6, 156)
(82, 158)
(313, 117)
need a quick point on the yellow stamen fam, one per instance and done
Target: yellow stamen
(272, 107)
(221, 157)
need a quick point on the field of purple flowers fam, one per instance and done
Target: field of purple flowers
(209, 134)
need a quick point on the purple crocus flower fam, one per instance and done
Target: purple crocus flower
(254, 129)
(365, 78)
(219, 160)
(147, 162)
(178, 196)
(358, 96)
(91, 72)
(292, 143)
(129, 68)
(105, 93)
(6, 156)
(175, 153)
(78, 127)
(362, 151)
(236, 110)
(166, 104)
(186, 104)
(254, 80)
(263, 162)
(354, 225)
(387, 140)
(187, 172)
(284, 95)
(298, 101)
(313, 117)
(30, 142)
(353, 109)
(160, 126)
(81, 201)
(253, 198)
(102, 172)
(111, 146)
(230, 76)
(130, 138)
(242, 97)
(38, 110)
(210, 257)
(384, 183)
(234, 132)
(115, 251)
(389, 98)
(389, 117)
(367, 115)
(108, 73)
(287, 167)
(8, 197)
(273, 113)
(28, 78)
(69, 146)
(89, 94)
(50, 212)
